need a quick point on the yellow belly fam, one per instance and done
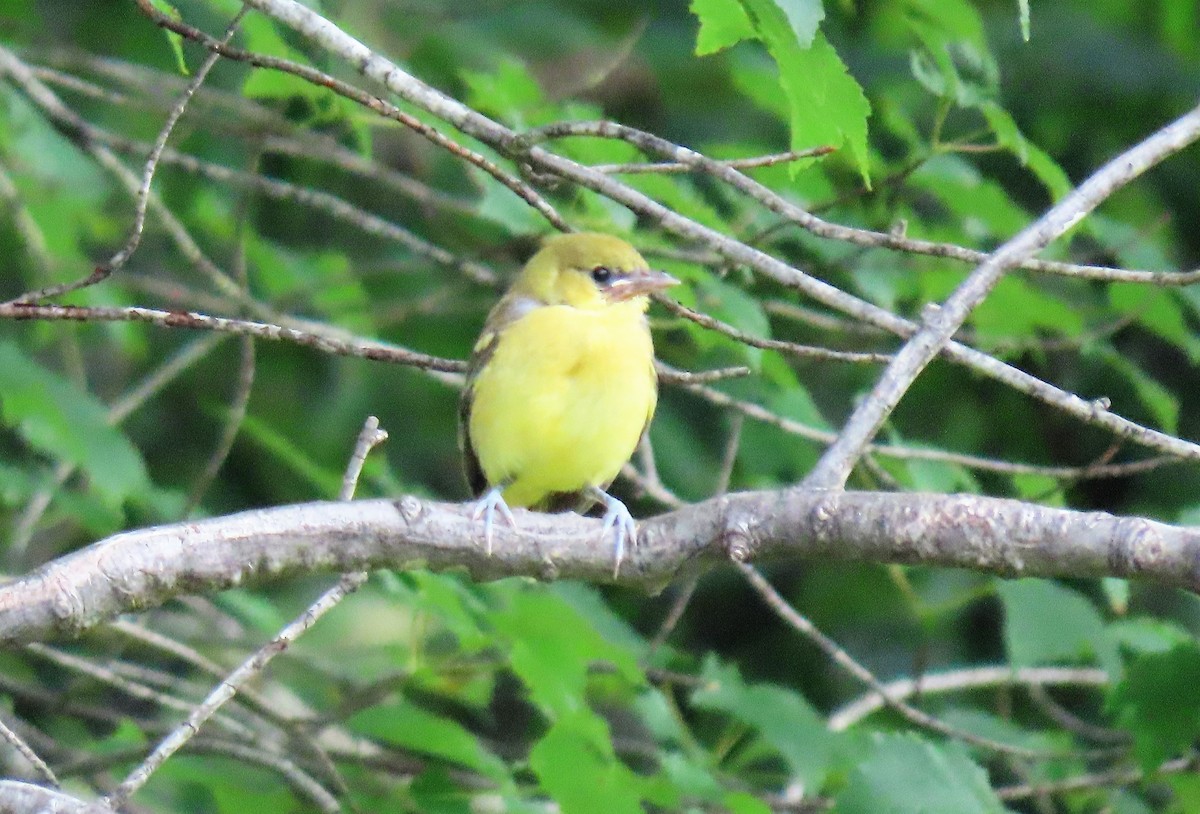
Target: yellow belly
(563, 401)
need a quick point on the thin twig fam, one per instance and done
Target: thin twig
(1116, 777)
(970, 678)
(736, 163)
(1087, 472)
(515, 185)
(31, 757)
(1071, 722)
(793, 348)
(253, 666)
(940, 322)
(649, 143)
(839, 656)
(190, 319)
(130, 687)
(142, 193)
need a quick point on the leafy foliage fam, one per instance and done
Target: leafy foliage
(281, 202)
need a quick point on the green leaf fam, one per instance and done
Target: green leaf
(454, 604)
(1023, 7)
(575, 764)
(1158, 700)
(173, 39)
(435, 792)
(1017, 307)
(827, 106)
(1039, 488)
(1146, 635)
(553, 647)
(1116, 591)
(784, 720)
(1160, 312)
(323, 480)
(804, 16)
(1009, 136)
(69, 424)
(509, 93)
(740, 802)
(1046, 623)
(411, 727)
(732, 305)
(905, 774)
(943, 23)
(1161, 402)
(723, 23)
(16, 485)
(600, 615)
(940, 476)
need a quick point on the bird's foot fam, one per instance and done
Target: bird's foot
(620, 523)
(486, 507)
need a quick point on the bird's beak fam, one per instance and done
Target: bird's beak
(639, 283)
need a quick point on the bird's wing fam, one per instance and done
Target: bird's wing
(507, 311)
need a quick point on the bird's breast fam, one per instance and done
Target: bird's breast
(564, 399)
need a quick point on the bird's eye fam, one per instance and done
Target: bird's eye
(602, 274)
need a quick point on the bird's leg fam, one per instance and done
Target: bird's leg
(617, 520)
(486, 507)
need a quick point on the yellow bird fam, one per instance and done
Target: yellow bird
(561, 384)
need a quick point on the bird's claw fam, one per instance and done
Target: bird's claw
(486, 507)
(620, 522)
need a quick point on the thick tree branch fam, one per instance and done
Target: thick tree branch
(140, 569)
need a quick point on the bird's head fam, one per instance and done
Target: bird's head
(590, 271)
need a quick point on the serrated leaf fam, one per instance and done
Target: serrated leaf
(1009, 136)
(173, 39)
(1158, 700)
(733, 306)
(509, 93)
(907, 775)
(784, 720)
(575, 764)
(1046, 623)
(804, 17)
(1018, 307)
(1145, 635)
(954, 20)
(827, 106)
(553, 647)
(1162, 403)
(723, 23)
(406, 725)
(69, 424)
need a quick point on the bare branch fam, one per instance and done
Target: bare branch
(190, 319)
(26, 751)
(140, 569)
(838, 654)
(967, 679)
(18, 797)
(940, 322)
(370, 437)
(771, 160)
